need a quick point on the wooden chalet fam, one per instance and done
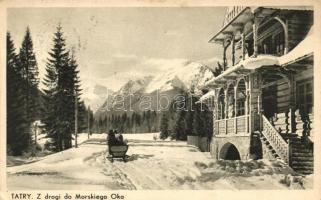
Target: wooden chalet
(263, 99)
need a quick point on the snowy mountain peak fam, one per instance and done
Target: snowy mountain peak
(186, 76)
(134, 85)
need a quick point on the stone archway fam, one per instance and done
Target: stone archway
(229, 152)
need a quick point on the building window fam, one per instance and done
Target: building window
(271, 39)
(305, 97)
(279, 43)
(240, 107)
(266, 46)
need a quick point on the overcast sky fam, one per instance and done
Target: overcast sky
(115, 44)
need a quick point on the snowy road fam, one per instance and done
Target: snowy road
(151, 165)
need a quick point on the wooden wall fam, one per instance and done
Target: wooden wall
(299, 24)
(283, 96)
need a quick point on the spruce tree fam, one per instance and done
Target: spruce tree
(29, 71)
(18, 136)
(197, 121)
(179, 126)
(164, 132)
(189, 118)
(60, 94)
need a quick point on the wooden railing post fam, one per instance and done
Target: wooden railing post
(225, 121)
(289, 153)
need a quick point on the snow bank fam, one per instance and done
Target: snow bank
(150, 165)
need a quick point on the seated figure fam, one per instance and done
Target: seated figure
(119, 138)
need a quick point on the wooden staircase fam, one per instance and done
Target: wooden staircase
(295, 151)
(301, 159)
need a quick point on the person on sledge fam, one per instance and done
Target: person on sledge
(111, 139)
(119, 138)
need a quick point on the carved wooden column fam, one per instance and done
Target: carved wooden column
(255, 44)
(214, 117)
(233, 50)
(255, 103)
(226, 109)
(243, 45)
(292, 103)
(224, 56)
(235, 107)
(247, 101)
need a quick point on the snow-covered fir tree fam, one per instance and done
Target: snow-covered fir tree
(18, 136)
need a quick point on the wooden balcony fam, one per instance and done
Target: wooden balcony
(236, 126)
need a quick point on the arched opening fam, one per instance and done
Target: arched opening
(221, 104)
(241, 98)
(230, 101)
(229, 152)
(273, 43)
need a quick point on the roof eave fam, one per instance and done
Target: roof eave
(212, 40)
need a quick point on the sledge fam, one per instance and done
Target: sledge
(117, 151)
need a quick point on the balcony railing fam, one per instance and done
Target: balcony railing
(232, 126)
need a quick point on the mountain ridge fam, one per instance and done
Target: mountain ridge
(187, 77)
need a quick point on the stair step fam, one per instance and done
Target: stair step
(300, 147)
(302, 154)
(305, 172)
(301, 150)
(301, 163)
(289, 135)
(302, 168)
(302, 158)
(294, 142)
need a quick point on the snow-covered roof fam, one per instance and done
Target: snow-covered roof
(249, 64)
(287, 7)
(206, 96)
(304, 49)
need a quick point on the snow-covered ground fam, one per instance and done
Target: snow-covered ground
(151, 165)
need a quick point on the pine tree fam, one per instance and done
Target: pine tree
(18, 136)
(164, 126)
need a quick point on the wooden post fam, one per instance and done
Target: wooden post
(36, 129)
(88, 120)
(235, 108)
(76, 119)
(233, 50)
(224, 58)
(247, 111)
(243, 45)
(255, 45)
(289, 153)
(292, 103)
(226, 110)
